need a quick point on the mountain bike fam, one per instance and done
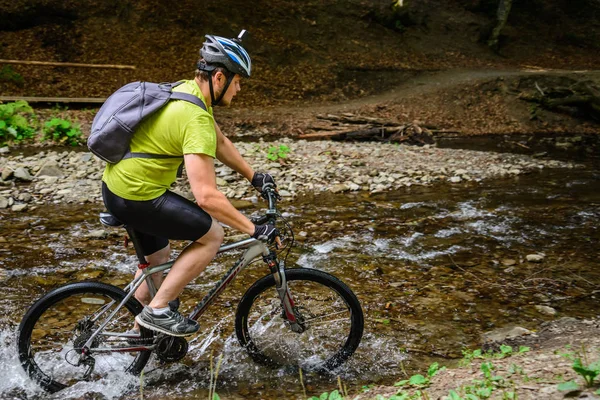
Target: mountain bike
(298, 317)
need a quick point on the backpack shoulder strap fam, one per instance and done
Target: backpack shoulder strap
(190, 98)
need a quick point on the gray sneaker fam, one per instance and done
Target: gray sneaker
(171, 323)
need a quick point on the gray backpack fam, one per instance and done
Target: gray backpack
(122, 112)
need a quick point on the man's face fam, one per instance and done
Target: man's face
(232, 90)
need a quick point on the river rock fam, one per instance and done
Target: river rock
(97, 234)
(19, 207)
(50, 168)
(235, 238)
(545, 310)
(3, 202)
(4, 150)
(339, 188)
(535, 258)
(221, 182)
(501, 334)
(455, 179)
(24, 197)
(507, 262)
(23, 174)
(6, 173)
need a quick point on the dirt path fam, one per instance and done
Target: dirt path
(470, 101)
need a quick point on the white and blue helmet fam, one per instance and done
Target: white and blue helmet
(228, 53)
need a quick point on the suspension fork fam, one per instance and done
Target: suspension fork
(277, 268)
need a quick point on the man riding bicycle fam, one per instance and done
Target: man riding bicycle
(136, 190)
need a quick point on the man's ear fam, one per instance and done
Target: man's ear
(219, 76)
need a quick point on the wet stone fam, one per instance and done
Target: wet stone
(535, 258)
(19, 207)
(97, 234)
(3, 202)
(501, 334)
(545, 310)
(85, 275)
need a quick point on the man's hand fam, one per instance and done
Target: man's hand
(259, 180)
(265, 232)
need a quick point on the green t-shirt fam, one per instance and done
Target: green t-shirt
(178, 128)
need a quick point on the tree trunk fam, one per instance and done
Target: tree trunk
(501, 18)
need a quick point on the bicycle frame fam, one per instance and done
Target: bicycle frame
(254, 249)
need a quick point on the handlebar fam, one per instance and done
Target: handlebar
(270, 194)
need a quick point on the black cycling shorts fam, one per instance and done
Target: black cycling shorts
(169, 216)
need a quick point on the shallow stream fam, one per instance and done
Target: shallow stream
(434, 268)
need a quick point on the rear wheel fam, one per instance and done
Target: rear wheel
(57, 326)
(329, 312)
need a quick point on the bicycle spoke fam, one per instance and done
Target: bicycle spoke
(326, 315)
(63, 326)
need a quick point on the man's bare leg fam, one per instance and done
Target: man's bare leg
(189, 265)
(159, 257)
(142, 294)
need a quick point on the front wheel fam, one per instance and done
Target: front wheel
(55, 329)
(328, 310)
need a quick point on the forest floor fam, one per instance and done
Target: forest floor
(546, 361)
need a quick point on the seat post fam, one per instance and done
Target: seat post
(136, 245)
(142, 259)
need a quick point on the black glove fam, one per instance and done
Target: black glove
(265, 232)
(259, 180)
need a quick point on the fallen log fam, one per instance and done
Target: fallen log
(582, 96)
(354, 119)
(78, 100)
(66, 64)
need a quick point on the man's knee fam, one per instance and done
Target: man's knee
(214, 236)
(159, 257)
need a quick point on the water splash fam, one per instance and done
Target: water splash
(14, 381)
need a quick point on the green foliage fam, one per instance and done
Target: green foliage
(62, 131)
(275, 153)
(434, 369)
(14, 125)
(8, 74)
(418, 381)
(483, 389)
(588, 371)
(335, 395)
(505, 351)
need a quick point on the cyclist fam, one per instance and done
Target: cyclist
(136, 190)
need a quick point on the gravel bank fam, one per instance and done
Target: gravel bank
(74, 177)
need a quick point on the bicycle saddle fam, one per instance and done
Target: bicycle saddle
(110, 220)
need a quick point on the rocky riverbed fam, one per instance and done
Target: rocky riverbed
(308, 166)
